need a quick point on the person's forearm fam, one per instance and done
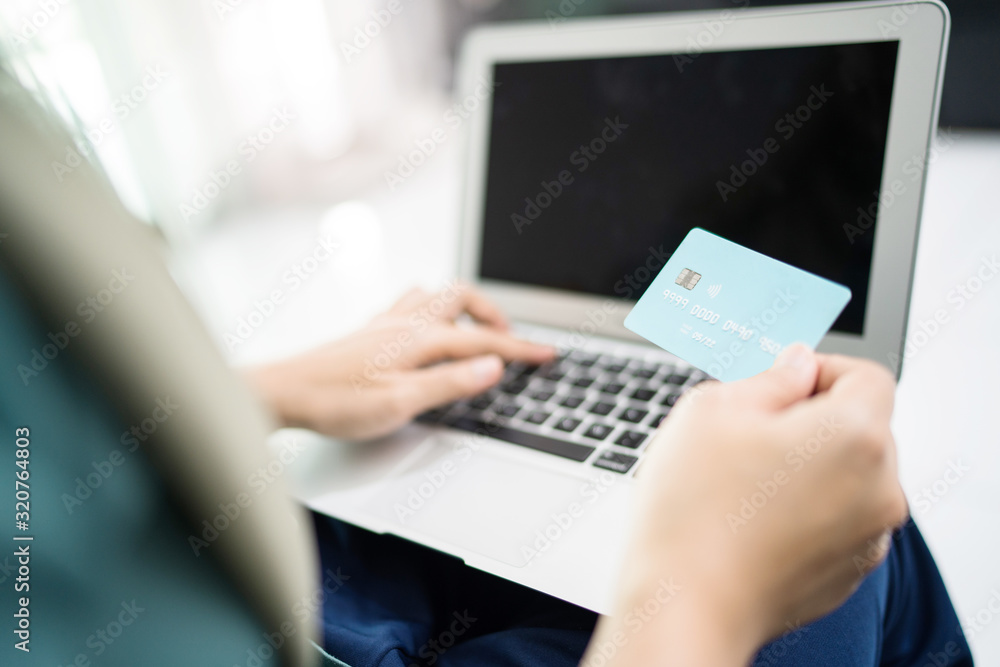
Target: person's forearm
(677, 632)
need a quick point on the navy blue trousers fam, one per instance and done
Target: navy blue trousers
(393, 603)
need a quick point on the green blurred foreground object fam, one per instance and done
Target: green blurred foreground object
(131, 462)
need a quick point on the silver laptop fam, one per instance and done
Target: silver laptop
(800, 132)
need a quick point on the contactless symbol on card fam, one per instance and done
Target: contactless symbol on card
(747, 309)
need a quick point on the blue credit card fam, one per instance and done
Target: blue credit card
(729, 311)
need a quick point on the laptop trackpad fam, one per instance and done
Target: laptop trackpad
(490, 505)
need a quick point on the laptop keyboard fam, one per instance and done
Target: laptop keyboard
(594, 408)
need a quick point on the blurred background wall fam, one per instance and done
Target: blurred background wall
(199, 107)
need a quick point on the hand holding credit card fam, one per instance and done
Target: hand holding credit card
(729, 311)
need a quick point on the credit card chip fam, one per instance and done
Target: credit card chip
(688, 279)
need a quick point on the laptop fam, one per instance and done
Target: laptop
(800, 132)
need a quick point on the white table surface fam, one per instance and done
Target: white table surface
(948, 398)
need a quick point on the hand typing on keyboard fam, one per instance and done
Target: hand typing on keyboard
(759, 500)
(406, 361)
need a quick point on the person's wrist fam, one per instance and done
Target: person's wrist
(688, 615)
(676, 624)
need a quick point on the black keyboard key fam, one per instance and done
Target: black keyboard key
(602, 408)
(630, 439)
(567, 450)
(657, 420)
(572, 401)
(583, 358)
(615, 462)
(613, 388)
(513, 370)
(583, 382)
(553, 374)
(514, 387)
(537, 417)
(647, 371)
(643, 394)
(598, 431)
(677, 378)
(671, 399)
(567, 424)
(432, 417)
(615, 366)
(633, 415)
(542, 395)
(483, 401)
(511, 375)
(529, 371)
(507, 409)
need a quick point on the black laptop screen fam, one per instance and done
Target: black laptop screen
(594, 165)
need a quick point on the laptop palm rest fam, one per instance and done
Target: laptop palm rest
(501, 508)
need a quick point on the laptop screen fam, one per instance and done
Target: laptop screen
(598, 168)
